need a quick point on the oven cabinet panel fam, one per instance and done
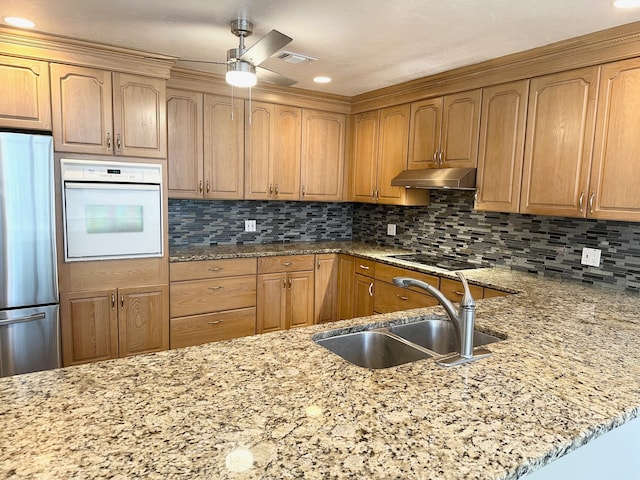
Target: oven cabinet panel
(99, 112)
(143, 320)
(103, 324)
(89, 325)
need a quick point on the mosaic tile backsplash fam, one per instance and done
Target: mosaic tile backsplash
(550, 246)
(206, 222)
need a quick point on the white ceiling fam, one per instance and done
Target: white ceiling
(362, 44)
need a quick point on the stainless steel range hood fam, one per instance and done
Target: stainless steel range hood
(437, 178)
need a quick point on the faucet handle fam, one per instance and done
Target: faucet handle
(467, 298)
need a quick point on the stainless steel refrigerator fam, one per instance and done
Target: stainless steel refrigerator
(29, 310)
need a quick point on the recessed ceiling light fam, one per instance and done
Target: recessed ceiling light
(626, 3)
(322, 79)
(19, 22)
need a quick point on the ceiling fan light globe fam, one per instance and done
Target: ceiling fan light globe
(241, 74)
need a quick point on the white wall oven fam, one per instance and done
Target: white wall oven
(111, 210)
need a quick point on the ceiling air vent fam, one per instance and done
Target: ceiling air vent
(291, 57)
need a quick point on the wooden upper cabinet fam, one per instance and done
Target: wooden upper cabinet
(364, 156)
(272, 162)
(95, 111)
(380, 150)
(322, 163)
(139, 116)
(615, 172)
(25, 100)
(425, 132)
(444, 131)
(558, 146)
(223, 148)
(185, 144)
(460, 129)
(501, 147)
(393, 145)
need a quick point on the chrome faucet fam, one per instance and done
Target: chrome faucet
(463, 320)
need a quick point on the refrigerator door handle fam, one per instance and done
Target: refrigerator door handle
(28, 318)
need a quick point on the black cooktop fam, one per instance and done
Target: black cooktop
(447, 263)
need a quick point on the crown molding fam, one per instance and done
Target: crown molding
(59, 49)
(605, 46)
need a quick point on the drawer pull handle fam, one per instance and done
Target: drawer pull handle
(371, 289)
(364, 267)
(216, 322)
(217, 287)
(457, 292)
(403, 298)
(216, 269)
(287, 264)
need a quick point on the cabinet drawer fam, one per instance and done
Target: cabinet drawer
(453, 290)
(212, 327)
(205, 296)
(286, 263)
(387, 272)
(491, 292)
(364, 267)
(228, 267)
(389, 298)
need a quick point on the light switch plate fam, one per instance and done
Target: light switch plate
(391, 229)
(591, 257)
(249, 225)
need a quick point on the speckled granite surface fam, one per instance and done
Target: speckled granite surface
(278, 406)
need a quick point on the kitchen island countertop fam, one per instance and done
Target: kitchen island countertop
(278, 405)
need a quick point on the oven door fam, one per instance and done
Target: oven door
(112, 220)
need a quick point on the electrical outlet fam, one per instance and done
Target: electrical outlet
(250, 225)
(591, 257)
(391, 229)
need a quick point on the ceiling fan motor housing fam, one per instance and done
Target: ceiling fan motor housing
(241, 27)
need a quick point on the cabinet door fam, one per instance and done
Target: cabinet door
(139, 116)
(326, 286)
(364, 156)
(184, 144)
(322, 164)
(300, 311)
(557, 152)
(615, 176)
(271, 302)
(25, 101)
(362, 296)
(393, 144)
(504, 109)
(346, 278)
(89, 326)
(223, 148)
(460, 129)
(143, 319)
(260, 128)
(82, 110)
(424, 133)
(286, 157)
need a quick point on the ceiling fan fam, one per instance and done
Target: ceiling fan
(243, 63)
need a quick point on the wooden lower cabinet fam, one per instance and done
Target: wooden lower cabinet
(212, 300)
(346, 278)
(389, 298)
(454, 291)
(285, 292)
(326, 288)
(362, 296)
(104, 324)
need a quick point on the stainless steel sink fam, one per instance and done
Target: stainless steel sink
(437, 335)
(399, 344)
(373, 349)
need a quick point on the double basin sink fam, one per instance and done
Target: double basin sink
(397, 344)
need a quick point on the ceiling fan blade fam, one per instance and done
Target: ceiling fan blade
(273, 77)
(202, 61)
(265, 47)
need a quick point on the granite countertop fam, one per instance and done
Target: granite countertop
(278, 406)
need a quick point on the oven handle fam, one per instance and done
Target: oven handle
(112, 186)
